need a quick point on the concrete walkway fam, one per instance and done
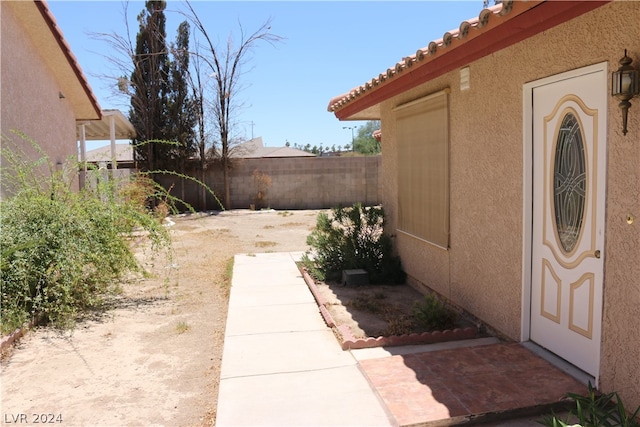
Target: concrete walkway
(281, 365)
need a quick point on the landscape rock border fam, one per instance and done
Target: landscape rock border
(8, 340)
(350, 342)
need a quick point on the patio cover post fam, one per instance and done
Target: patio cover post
(112, 134)
(83, 154)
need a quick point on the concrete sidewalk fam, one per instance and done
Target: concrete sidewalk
(281, 365)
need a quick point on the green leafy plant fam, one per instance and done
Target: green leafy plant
(228, 273)
(351, 238)
(63, 251)
(595, 410)
(432, 314)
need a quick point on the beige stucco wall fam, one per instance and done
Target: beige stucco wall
(482, 270)
(29, 100)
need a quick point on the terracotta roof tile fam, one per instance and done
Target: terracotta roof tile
(493, 29)
(431, 49)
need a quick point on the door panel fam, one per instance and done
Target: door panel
(568, 216)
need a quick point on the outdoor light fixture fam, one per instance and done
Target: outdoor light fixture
(624, 86)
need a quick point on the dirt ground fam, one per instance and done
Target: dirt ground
(154, 357)
(370, 311)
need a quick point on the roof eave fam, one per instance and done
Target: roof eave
(524, 20)
(65, 49)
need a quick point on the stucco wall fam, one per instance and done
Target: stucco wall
(482, 270)
(620, 367)
(296, 183)
(29, 100)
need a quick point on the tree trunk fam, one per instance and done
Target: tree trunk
(183, 172)
(203, 191)
(227, 187)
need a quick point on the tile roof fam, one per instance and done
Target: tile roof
(495, 28)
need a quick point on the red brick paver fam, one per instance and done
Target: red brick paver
(426, 387)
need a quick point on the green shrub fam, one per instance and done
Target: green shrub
(431, 314)
(63, 250)
(352, 238)
(595, 410)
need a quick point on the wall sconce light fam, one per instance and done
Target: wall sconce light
(624, 86)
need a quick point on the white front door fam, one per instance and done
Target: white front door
(569, 159)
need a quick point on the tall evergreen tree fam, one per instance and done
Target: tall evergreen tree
(162, 110)
(181, 107)
(149, 81)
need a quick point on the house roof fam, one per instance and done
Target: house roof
(255, 149)
(277, 152)
(124, 153)
(495, 28)
(41, 27)
(252, 149)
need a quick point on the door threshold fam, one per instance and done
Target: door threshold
(560, 363)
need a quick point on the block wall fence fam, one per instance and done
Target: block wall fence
(296, 183)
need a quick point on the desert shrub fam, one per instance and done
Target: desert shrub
(351, 238)
(595, 410)
(63, 250)
(431, 314)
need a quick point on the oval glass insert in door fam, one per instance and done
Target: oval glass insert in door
(569, 183)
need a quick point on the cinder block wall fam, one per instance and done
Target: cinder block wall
(296, 183)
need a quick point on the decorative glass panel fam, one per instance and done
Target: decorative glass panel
(570, 182)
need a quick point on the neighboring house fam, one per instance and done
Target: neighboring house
(44, 92)
(104, 155)
(509, 185)
(255, 149)
(113, 161)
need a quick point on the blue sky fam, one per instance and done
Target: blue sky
(328, 48)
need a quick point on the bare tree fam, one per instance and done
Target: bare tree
(225, 68)
(122, 51)
(198, 82)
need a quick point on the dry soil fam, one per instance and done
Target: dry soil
(154, 357)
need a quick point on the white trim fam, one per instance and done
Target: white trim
(560, 363)
(527, 207)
